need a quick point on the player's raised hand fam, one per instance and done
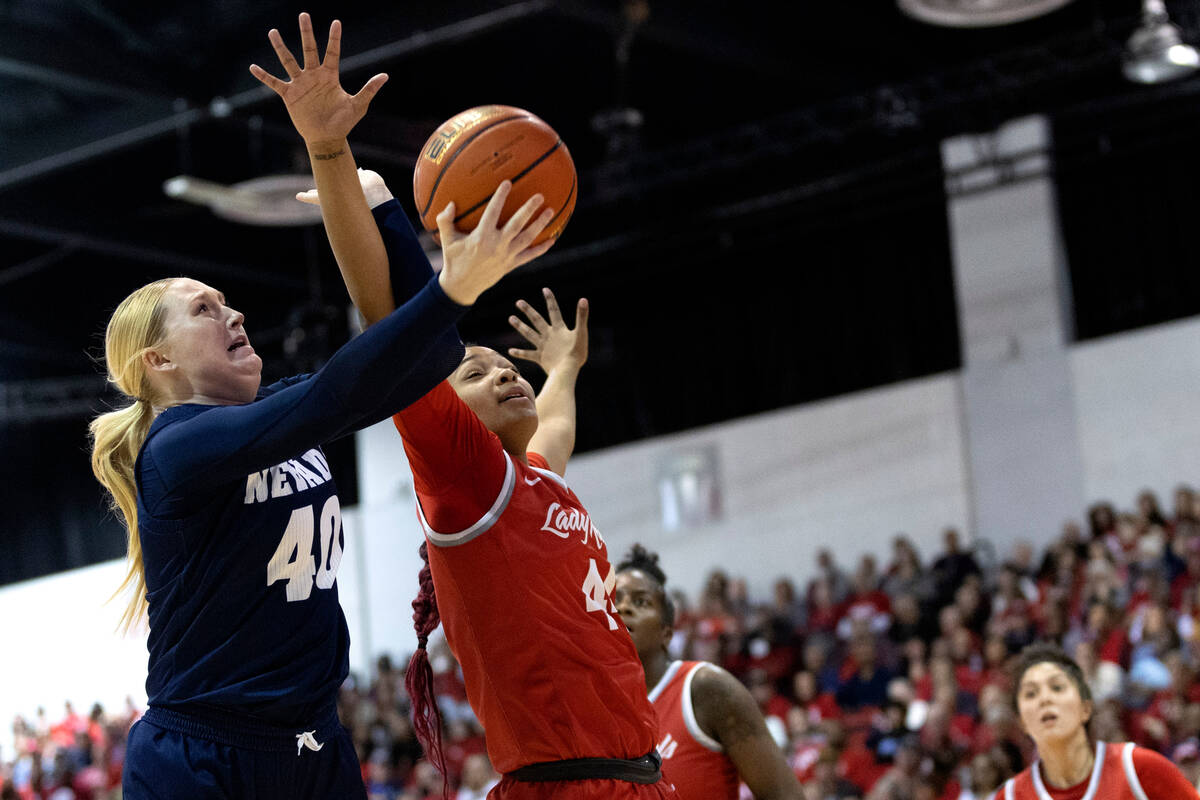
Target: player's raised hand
(554, 344)
(472, 263)
(320, 109)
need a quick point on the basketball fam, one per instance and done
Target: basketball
(468, 156)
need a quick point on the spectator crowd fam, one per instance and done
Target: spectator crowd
(888, 681)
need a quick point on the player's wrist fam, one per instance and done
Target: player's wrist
(322, 148)
(457, 290)
(565, 367)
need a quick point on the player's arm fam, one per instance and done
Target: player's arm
(323, 114)
(458, 465)
(1160, 778)
(561, 352)
(727, 712)
(388, 365)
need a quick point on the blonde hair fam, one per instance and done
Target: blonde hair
(135, 327)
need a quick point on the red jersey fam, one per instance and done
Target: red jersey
(1122, 772)
(692, 760)
(523, 586)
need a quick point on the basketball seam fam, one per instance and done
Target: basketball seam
(513, 179)
(567, 202)
(462, 146)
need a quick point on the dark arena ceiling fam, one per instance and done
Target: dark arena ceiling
(761, 218)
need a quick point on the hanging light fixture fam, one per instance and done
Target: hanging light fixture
(1156, 52)
(977, 13)
(269, 200)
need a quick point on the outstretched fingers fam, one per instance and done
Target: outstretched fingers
(552, 311)
(333, 47)
(267, 79)
(526, 355)
(286, 59)
(530, 253)
(581, 314)
(517, 222)
(535, 319)
(308, 42)
(524, 239)
(490, 219)
(520, 326)
(367, 93)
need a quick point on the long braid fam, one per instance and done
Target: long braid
(418, 678)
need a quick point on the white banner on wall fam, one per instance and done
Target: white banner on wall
(62, 644)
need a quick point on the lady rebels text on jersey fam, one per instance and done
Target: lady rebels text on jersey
(524, 589)
(1122, 772)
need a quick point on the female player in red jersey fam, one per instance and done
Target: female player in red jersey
(522, 575)
(711, 732)
(1054, 704)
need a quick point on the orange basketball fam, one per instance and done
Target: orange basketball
(468, 156)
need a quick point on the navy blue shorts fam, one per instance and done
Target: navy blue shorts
(176, 756)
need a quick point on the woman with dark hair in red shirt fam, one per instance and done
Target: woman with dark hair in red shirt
(1054, 704)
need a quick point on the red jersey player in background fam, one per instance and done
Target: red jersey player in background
(1055, 704)
(516, 570)
(711, 732)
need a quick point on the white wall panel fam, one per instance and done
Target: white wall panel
(1139, 411)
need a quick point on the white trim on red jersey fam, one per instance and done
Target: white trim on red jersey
(1090, 794)
(685, 698)
(1131, 777)
(664, 680)
(1131, 773)
(554, 476)
(689, 713)
(483, 523)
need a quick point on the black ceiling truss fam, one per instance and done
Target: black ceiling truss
(975, 95)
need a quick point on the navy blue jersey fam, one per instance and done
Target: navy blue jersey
(240, 522)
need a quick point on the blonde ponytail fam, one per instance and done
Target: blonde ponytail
(116, 439)
(117, 436)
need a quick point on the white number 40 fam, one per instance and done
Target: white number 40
(596, 592)
(293, 560)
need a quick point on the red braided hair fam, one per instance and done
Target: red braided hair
(418, 678)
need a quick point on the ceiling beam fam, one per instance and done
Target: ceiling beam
(69, 82)
(38, 168)
(712, 45)
(224, 106)
(48, 399)
(150, 255)
(36, 264)
(67, 359)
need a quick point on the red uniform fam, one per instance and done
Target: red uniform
(692, 760)
(524, 586)
(1122, 772)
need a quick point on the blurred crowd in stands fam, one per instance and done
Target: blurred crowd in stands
(884, 681)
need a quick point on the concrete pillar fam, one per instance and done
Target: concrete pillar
(1019, 411)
